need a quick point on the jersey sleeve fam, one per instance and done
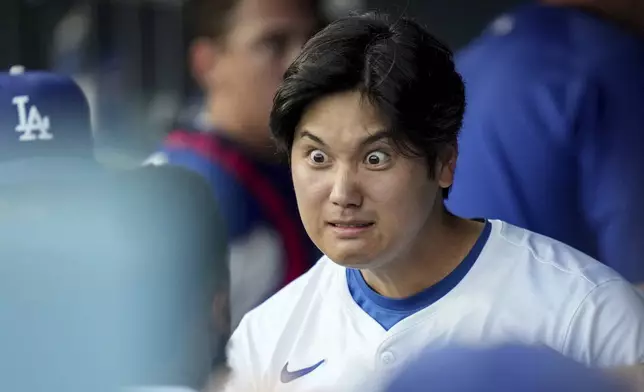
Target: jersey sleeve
(610, 165)
(607, 329)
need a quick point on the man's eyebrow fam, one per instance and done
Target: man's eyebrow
(311, 136)
(374, 137)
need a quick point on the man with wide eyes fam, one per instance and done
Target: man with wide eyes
(370, 113)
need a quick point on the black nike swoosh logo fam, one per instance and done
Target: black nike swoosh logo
(286, 376)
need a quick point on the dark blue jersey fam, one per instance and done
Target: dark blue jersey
(553, 138)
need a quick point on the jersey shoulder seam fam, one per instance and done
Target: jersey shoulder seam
(580, 273)
(577, 309)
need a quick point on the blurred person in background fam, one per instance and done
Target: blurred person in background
(553, 136)
(507, 368)
(105, 285)
(370, 113)
(240, 52)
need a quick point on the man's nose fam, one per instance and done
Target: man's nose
(345, 192)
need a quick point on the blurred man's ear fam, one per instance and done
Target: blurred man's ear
(202, 57)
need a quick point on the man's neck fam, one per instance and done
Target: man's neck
(441, 248)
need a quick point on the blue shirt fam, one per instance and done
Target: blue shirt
(389, 311)
(553, 136)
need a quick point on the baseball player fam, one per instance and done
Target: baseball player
(370, 113)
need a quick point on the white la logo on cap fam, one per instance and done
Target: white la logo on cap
(32, 123)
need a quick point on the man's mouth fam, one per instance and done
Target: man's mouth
(350, 225)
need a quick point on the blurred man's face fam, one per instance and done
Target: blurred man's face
(248, 64)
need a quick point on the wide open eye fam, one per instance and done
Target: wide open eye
(318, 157)
(377, 158)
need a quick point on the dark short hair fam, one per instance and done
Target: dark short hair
(211, 18)
(403, 70)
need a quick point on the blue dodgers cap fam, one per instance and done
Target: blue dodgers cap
(42, 116)
(507, 368)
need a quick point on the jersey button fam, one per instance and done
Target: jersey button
(387, 358)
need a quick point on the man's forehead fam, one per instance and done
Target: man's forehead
(346, 117)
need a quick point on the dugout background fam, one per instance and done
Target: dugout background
(128, 55)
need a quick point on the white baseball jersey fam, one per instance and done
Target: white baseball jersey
(523, 287)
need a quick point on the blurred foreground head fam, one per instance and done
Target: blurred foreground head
(239, 55)
(110, 283)
(501, 369)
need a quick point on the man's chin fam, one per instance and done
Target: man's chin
(352, 260)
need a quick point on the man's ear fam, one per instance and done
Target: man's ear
(447, 166)
(203, 55)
